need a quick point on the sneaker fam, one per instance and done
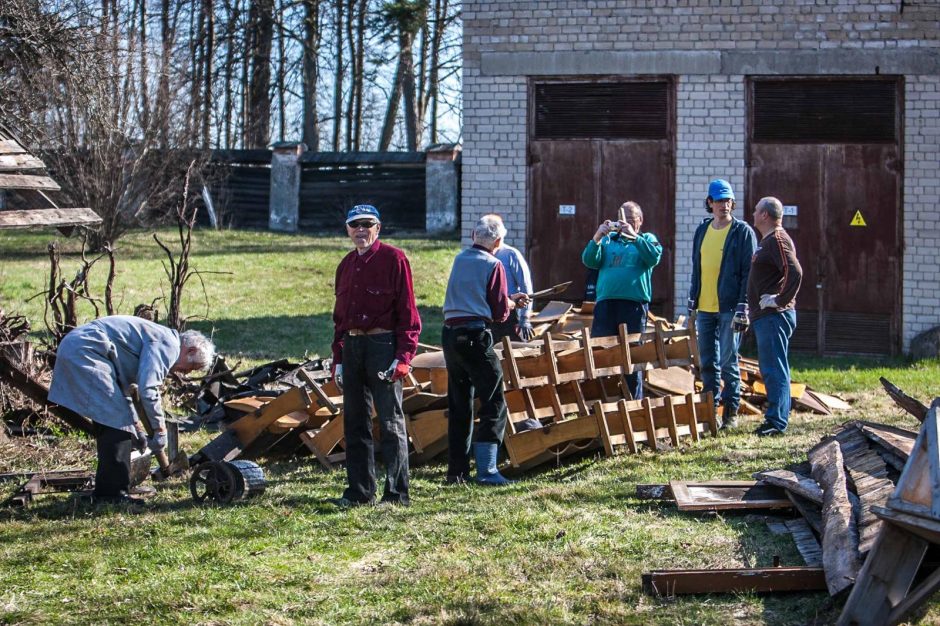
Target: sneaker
(768, 430)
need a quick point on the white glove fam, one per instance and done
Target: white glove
(338, 376)
(768, 301)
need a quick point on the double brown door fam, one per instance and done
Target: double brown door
(843, 210)
(603, 152)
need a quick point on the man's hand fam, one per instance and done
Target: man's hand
(690, 305)
(140, 440)
(768, 301)
(338, 375)
(525, 330)
(158, 441)
(739, 322)
(399, 371)
(520, 299)
(603, 230)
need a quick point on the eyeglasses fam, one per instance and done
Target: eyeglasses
(361, 224)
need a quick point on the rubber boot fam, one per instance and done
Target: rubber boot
(487, 474)
(729, 419)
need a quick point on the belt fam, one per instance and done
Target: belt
(356, 332)
(476, 325)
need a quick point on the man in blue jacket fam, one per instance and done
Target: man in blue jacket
(624, 258)
(721, 261)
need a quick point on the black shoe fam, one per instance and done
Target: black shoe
(768, 430)
(122, 500)
(346, 503)
(457, 479)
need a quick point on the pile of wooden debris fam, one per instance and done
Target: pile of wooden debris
(866, 507)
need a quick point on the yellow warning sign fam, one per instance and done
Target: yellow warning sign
(858, 220)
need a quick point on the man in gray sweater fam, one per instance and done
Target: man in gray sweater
(476, 298)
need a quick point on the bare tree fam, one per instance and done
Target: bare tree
(311, 71)
(258, 107)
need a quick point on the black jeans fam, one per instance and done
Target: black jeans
(364, 356)
(608, 316)
(472, 369)
(113, 477)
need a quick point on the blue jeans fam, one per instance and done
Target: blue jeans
(608, 316)
(773, 333)
(718, 351)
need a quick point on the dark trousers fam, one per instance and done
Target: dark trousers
(608, 316)
(364, 356)
(472, 369)
(507, 328)
(113, 477)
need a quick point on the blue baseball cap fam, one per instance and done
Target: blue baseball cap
(363, 211)
(720, 190)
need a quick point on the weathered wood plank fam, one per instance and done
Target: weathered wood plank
(805, 541)
(48, 218)
(19, 162)
(728, 495)
(10, 146)
(909, 403)
(841, 558)
(764, 579)
(23, 181)
(791, 481)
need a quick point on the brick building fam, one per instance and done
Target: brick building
(574, 106)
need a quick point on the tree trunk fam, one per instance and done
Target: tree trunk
(208, 58)
(281, 80)
(408, 91)
(311, 70)
(360, 77)
(338, 82)
(163, 88)
(261, 33)
(391, 112)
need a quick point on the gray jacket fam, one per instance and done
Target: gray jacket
(96, 363)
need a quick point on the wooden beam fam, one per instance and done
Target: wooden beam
(841, 558)
(23, 181)
(756, 580)
(791, 481)
(48, 218)
(910, 404)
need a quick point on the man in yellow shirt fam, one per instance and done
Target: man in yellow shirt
(721, 261)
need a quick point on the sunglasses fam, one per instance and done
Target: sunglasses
(361, 224)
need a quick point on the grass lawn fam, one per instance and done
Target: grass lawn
(565, 545)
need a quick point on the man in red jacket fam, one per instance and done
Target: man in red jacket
(376, 329)
(772, 285)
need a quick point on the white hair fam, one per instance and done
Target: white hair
(204, 349)
(488, 230)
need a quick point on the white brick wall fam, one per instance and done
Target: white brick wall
(921, 291)
(711, 131)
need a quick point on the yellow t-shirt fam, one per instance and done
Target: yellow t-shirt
(712, 247)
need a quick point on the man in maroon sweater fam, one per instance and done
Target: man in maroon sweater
(376, 329)
(772, 285)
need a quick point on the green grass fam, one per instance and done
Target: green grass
(565, 545)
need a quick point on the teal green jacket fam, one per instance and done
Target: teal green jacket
(625, 268)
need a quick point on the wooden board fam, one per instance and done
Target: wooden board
(676, 381)
(18, 162)
(728, 495)
(796, 389)
(48, 218)
(791, 481)
(552, 312)
(767, 579)
(895, 440)
(22, 181)
(9, 146)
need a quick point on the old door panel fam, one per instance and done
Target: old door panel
(561, 175)
(642, 171)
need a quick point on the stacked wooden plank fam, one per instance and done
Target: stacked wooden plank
(22, 176)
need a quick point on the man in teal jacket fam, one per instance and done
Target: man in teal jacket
(625, 259)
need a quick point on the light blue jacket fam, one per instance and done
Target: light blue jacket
(96, 363)
(518, 278)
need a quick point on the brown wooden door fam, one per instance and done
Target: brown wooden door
(607, 142)
(850, 301)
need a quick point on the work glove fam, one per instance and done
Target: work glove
(338, 375)
(739, 321)
(397, 371)
(525, 330)
(158, 441)
(690, 305)
(140, 439)
(768, 301)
